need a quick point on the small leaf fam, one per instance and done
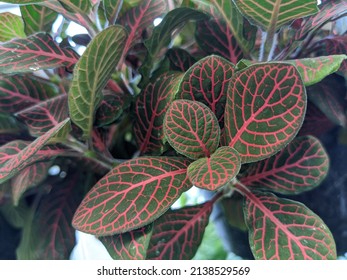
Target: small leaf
(91, 74)
(299, 167)
(151, 105)
(216, 171)
(270, 15)
(129, 245)
(33, 53)
(132, 195)
(178, 233)
(265, 109)
(207, 82)
(45, 115)
(283, 229)
(17, 155)
(11, 27)
(180, 59)
(191, 128)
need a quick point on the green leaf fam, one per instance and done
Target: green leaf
(191, 128)
(77, 6)
(265, 109)
(130, 245)
(23, 2)
(299, 167)
(112, 9)
(271, 15)
(9, 125)
(132, 195)
(91, 74)
(216, 171)
(37, 18)
(162, 35)
(283, 229)
(11, 27)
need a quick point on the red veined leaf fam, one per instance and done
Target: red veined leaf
(151, 106)
(180, 59)
(29, 177)
(17, 155)
(137, 19)
(178, 233)
(45, 115)
(21, 91)
(299, 167)
(130, 245)
(283, 229)
(36, 52)
(215, 37)
(216, 171)
(11, 27)
(48, 234)
(207, 82)
(265, 109)
(191, 128)
(9, 125)
(132, 195)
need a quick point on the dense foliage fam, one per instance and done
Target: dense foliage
(227, 96)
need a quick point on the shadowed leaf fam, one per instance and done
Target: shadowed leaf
(11, 27)
(180, 59)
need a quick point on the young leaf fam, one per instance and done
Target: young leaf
(21, 91)
(216, 171)
(11, 27)
(130, 245)
(265, 109)
(299, 167)
(178, 233)
(207, 82)
(161, 37)
(37, 18)
(45, 115)
(191, 128)
(91, 74)
(17, 155)
(36, 52)
(283, 229)
(151, 105)
(271, 15)
(132, 195)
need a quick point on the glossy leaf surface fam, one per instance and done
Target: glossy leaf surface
(265, 109)
(33, 53)
(216, 171)
(178, 233)
(11, 27)
(191, 128)
(132, 195)
(283, 229)
(91, 74)
(299, 167)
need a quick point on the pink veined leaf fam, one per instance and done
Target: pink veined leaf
(178, 233)
(207, 82)
(45, 115)
(151, 106)
(17, 155)
(36, 52)
(215, 171)
(132, 195)
(283, 229)
(180, 59)
(265, 109)
(299, 167)
(21, 91)
(191, 128)
(130, 245)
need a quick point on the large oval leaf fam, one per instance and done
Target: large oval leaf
(299, 167)
(132, 195)
(214, 172)
(265, 109)
(91, 75)
(191, 128)
(283, 229)
(178, 233)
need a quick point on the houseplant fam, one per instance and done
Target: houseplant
(220, 95)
